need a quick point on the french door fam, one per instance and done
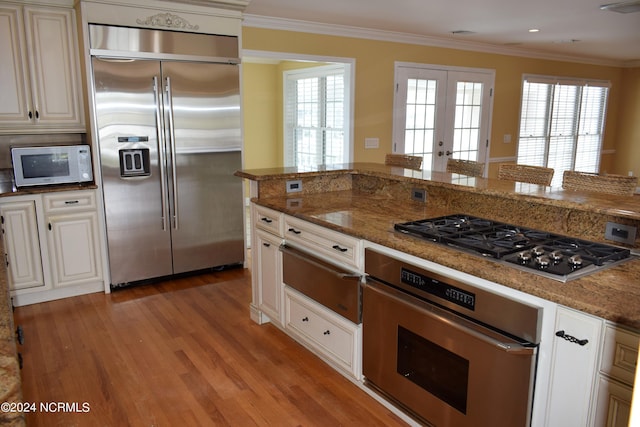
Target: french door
(441, 113)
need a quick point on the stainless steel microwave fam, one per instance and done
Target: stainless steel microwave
(47, 165)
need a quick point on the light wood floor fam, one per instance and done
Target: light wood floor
(180, 353)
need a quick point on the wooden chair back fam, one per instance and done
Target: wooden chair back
(465, 167)
(403, 160)
(610, 184)
(526, 173)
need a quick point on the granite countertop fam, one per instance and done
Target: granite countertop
(8, 187)
(10, 381)
(612, 293)
(617, 206)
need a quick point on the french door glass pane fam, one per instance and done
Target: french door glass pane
(467, 120)
(420, 118)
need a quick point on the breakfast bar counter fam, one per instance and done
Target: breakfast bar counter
(366, 201)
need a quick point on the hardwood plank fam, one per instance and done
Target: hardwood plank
(180, 352)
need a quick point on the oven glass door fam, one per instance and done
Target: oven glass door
(443, 369)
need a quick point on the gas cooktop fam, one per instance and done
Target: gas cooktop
(551, 255)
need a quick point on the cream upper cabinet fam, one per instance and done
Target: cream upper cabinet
(39, 71)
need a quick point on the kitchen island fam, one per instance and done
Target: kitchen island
(366, 200)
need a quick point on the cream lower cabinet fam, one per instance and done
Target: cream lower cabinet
(616, 376)
(269, 278)
(329, 335)
(21, 245)
(52, 245)
(268, 295)
(72, 238)
(574, 366)
(40, 70)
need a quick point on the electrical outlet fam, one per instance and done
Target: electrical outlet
(620, 233)
(294, 186)
(419, 195)
(371, 143)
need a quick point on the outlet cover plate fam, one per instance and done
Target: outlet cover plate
(620, 233)
(419, 194)
(294, 186)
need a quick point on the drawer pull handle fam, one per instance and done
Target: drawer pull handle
(294, 231)
(267, 220)
(338, 248)
(305, 319)
(266, 245)
(71, 202)
(327, 332)
(571, 338)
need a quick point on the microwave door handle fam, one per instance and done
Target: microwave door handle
(172, 144)
(161, 157)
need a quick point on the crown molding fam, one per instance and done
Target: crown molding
(266, 22)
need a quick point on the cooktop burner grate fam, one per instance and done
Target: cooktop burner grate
(553, 255)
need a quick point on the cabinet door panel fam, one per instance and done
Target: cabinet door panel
(74, 249)
(270, 292)
(22, 246)
(574, 369)
(53, 76)
(14, 84)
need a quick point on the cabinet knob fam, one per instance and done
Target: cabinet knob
(267, 220)
(20, 335)
(266, 245)
(294, 231)
(30, 115)
(571, 338)
(305, 319)
(338, 248)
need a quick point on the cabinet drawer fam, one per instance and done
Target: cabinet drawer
(319, 240)
(334, 337)
(267, 219)
(620, 354)
(69, 201)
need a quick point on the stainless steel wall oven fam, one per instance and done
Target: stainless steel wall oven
(446, 352)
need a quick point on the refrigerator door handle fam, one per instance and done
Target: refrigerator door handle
(172, 143)
(159, 127)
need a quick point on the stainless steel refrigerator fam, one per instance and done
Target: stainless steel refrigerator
(169, 143)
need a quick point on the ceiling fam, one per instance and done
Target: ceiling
(573, 29)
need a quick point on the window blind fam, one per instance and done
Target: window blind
(314, 117)
(561, 124)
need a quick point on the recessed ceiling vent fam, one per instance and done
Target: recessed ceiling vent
(622, 7)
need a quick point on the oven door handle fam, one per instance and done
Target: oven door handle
(451, 320)
(309, 259)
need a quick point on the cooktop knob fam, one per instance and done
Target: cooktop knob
(556, 256)
(524, 257)
(537, 251)
(575, 260)
(543, 261)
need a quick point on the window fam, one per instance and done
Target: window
(316, 116)
(561, 124)
(442, 112)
